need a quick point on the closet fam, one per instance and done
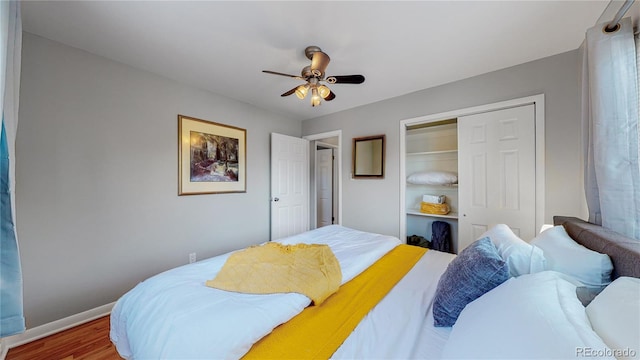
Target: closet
(486, 162)
(431, 167)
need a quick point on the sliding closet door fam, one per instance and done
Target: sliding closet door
(496, 173)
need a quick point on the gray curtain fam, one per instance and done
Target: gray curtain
(610, 124)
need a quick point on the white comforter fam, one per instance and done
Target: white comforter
(401, 325)
(173, 315)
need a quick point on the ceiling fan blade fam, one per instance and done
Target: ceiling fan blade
(289, 92)
(319, 63)
(345, 79)
(330, 97)
(283, 74)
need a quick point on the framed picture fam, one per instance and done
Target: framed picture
(368, 157)
(212, 157)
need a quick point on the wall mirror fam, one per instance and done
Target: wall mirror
(368, 157)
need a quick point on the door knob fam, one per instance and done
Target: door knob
(276, 199)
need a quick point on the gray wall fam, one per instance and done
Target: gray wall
(96, 192)
(373, 205)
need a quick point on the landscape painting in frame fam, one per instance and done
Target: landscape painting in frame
(212, 157)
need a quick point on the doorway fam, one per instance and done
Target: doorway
(325, 173)
(325, 167)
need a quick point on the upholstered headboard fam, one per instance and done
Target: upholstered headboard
(623, 251)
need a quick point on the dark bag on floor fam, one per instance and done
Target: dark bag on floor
(418, 240)
(441, 236)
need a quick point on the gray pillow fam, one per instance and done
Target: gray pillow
(475, 271)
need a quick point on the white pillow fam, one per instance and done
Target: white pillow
(534, 316)
(615, 316)
(522, 257)
(433, 178)
(565, 255)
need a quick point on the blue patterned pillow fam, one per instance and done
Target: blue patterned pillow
(475, 271)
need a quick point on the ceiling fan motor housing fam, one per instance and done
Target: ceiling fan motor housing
(310, 50)
(319, 60)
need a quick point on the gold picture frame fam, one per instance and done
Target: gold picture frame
(211, 157)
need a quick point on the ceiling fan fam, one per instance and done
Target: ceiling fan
(314, 75)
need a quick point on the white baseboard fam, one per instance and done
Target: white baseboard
(3, 350)
(53, 327)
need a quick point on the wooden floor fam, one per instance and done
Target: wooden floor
(88, 341)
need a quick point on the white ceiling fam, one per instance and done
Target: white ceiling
(400, 47)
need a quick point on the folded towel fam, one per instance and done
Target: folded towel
(434, 199)
(437, 209)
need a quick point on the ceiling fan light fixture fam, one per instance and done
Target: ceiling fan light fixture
(315, 97)
(301, 91)
(323, 91)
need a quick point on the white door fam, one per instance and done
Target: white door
(324, 186)
(496, 173)
(289, 185)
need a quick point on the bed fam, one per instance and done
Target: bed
(173, 315)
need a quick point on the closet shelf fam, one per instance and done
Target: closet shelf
(452, 187)
(451, 215)
(432, 152)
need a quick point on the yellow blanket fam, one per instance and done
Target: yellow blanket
(318, 331)
(312, 270)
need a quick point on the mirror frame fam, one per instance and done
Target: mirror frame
(354, 174)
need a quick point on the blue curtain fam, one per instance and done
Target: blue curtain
(11, 312)
(11, 318)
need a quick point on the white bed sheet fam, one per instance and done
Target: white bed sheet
(401, 325)
(173, 315)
